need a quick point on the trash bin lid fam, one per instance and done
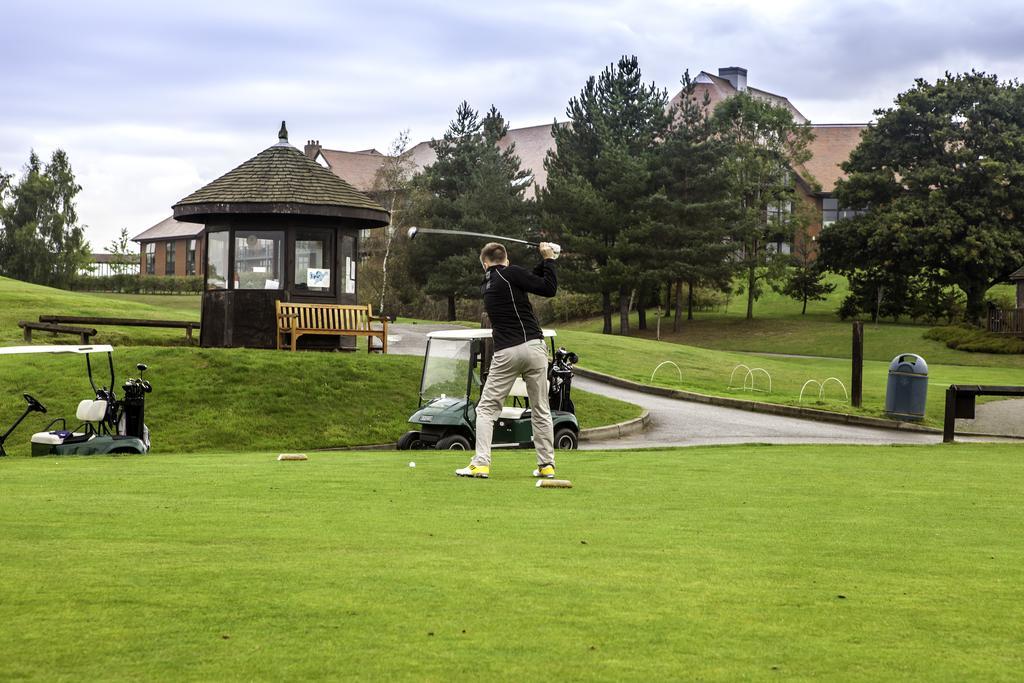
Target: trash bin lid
(909, 364)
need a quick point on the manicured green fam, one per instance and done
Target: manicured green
(178, 306)
(731, 563)
(708, 371)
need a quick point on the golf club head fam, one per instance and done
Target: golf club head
(412, 232)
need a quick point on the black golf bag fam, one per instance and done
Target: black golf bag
(560, 381)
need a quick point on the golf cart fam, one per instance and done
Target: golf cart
(454, 371)
(106, 424)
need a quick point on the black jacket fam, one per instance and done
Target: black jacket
(508, 307)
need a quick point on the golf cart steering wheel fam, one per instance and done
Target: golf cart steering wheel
(33, 404)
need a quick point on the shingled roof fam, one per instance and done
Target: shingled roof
(280, 180)
(1018, 275)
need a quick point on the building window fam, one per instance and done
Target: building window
(258, 259)
(217, 260)
(190, 258)
(169, 259)
(151, 258)
(312, 268)
(830, 211)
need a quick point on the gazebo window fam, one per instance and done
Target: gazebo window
(217, 260)
(313, 262)
(258, 261)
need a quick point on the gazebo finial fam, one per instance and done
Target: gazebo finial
(282, 135)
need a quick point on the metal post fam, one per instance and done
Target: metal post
(949, 422)
(857, 371)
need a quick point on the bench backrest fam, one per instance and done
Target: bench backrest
(326, 316)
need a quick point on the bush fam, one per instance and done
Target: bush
(566, 306)
(976, 340)
(139, 284)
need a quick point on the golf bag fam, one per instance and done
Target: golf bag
(560, 381)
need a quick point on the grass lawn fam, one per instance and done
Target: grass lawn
(243, 399)
(730, 563)
(778, 327)
(24, 301)
(708, 371)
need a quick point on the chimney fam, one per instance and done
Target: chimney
(312, 148)
(736, 75)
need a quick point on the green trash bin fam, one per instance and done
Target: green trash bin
(907, 391)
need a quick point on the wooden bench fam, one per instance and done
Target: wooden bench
(83, 332)
(187, 325)
(960, 401)
(296, 319)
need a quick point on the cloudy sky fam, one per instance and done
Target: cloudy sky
(153, 99)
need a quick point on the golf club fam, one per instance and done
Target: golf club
(415, 231)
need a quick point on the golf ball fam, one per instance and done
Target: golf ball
(412, 464)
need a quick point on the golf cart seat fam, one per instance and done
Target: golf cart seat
(516, 412)
(88, 412)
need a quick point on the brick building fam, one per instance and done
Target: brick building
(171, 248)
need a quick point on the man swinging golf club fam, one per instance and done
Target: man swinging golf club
(518, 352)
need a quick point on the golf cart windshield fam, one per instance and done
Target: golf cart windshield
(446, 369)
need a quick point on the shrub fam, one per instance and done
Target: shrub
(973, 339)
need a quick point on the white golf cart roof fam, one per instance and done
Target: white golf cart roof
(56, 348)
(463, 333)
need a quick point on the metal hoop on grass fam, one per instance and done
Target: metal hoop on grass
(810, 381)
(821, 392)
(750, 375)
(733, 375)
(667, 362)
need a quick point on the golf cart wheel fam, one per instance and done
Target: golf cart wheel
(410, 441)
(455, 442)
(566, 439)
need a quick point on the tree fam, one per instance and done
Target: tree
(599, 182)
(473, 185)
(941, 175)
(765, 147)
(804, 279)
(40, 239)
(123, 255)
(392, 187)
(688, 209)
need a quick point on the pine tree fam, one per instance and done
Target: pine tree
(473, 185)
(689, 210)
(599, 183)
(805, 278)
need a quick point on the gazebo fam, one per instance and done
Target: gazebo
(278, 227)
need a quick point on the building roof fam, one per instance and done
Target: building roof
(1018, 275)
(280, 180)
(718, 89)
(831, 146)
(169, 229)
(360, 168)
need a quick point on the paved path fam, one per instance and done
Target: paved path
(997, 417)
(685, 423)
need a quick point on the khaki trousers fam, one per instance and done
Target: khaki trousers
(529, 361)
